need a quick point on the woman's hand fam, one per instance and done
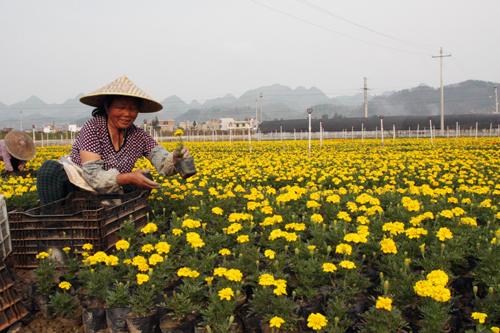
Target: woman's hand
(136, 178)
(21, 167)
(180, 155)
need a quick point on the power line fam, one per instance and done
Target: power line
(336, 32)
(307, 3)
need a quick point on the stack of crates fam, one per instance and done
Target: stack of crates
(11, 307)
(81, 218)
(5, 239)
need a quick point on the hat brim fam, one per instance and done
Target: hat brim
(20, 145)
(97, 100)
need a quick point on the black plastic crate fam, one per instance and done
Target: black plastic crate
(78, 219)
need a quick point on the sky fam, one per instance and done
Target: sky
(205, 49)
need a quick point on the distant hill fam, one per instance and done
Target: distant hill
(278, 102)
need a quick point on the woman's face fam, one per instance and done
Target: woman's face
(122, 112)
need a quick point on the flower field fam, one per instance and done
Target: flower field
(355, 239)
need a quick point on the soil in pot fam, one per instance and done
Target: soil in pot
(170, 325)
(146, 324)
(74, 319)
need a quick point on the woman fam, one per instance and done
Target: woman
(16, 150)
(108, 146)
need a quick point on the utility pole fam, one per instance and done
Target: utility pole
(256, 115)
(261, 107)
(366, 99)
(496, 98)
(441, 56)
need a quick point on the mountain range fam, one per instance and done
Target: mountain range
(278, 102)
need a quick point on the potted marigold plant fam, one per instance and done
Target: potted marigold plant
(186, 166)
(45, 278)
(66, 306)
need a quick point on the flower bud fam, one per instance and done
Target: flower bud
(474, 289)
(241, 255)
(294, 294)
(381, 276)
(490, 290)
(238, 293)
(407, 262)
(386, 286)
(328, 249)
(297, 251)
(231, 319)
(286, 248)
(337, 320)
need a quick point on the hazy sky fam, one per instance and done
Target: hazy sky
(204, 49)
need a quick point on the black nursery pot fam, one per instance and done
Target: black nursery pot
(186, 167)
(94, 319)
(117, 319)
(145, 324)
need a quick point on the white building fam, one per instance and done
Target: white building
(49, 129)
(230, 123)
(74, 128)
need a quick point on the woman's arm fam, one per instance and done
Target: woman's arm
(135, 177)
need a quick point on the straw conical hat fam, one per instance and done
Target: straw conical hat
(124, 87)
(20, 145)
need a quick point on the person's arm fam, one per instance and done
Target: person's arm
(6, 158)
(111, 180)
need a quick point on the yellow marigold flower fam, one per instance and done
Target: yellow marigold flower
(65, 285)
(143, 267)
(347, 264)
(333, 198)
(329, 267)
(266, 280)
(154, 259)
(343, 249)
(149, 228)
(184, 271)
(269, 254)
(178, 133)
(267, 210)
(234, 228)
(447, 213)
(453, 200)
(191, 224)
(495, 329)
(127, 261)
(87, 247)
(224, 252)
(289, 236)
(276, 322)
(316, 321)
(139, 260)
(217, 211)
(363, 220)
(177, 232)
(415, 232)
(141, 278)
(438, 278)
(101, 257)
(280, 291)
(355, 238)
(42, 255)
(457, 211)
(444, 233)
(423, 288)
(317, 218)
(441, 294)
(384, 303)
(66, 249)
(469, 221)
(193, 273)
(122, 245)
(344, 216)
(226, 294)
(394, 228)
(243, 239)
(147, 248)
(112, 260)
(313, 204)
(311, 248)
(85, 254)
(162, 247)
(220, 271)
(233, 275)
(388, 246)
